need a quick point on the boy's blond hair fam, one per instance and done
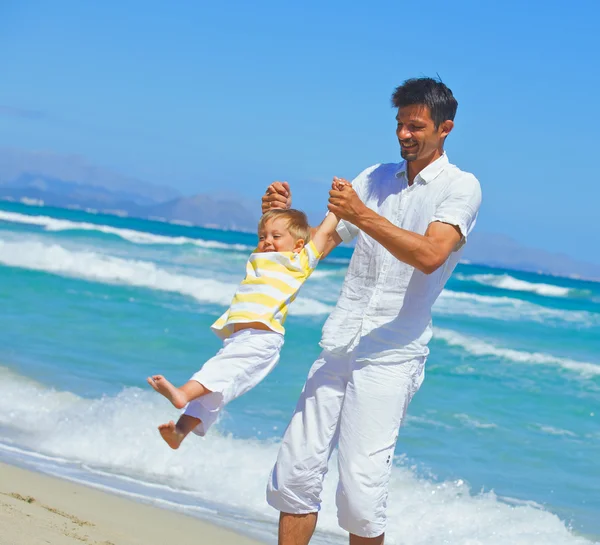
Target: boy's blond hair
(297, 222)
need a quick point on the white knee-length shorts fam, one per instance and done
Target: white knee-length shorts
(246, 358)
(360, 407)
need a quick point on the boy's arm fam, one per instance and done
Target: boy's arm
(325, 237)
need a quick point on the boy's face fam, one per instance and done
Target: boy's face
(275, 237)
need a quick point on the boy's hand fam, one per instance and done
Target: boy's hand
(344, 202)
(277, 195)
(339, 183)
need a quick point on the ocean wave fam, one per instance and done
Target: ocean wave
(507, 282)
(96, 267)
(337, 273)
(456, 303)
(131, 235)
(338, 260)
(474, 423)
(478, 347)
(551, 430)
(117, 436)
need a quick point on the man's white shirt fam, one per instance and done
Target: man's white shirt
(384, 310)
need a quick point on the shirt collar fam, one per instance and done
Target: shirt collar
(429, 173)
(401, 170)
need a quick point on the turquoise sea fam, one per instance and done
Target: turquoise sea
(501, 444)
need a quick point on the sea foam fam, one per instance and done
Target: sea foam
(478, 347)
(96, 267)
(131, 235)
(457, 303)
(507, 282)
(229, 474)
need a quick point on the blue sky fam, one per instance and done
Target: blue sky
(223, 97)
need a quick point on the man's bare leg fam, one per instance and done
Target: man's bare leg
(180, 397)
(357, 540)
(174, 434)
(296, 529)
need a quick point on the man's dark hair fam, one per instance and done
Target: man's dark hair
(429, 92)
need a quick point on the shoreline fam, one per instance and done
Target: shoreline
(36, 508)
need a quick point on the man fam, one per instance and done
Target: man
(412, 220)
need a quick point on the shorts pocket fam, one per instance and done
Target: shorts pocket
(388, 447)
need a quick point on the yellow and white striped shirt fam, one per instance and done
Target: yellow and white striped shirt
(271, 284)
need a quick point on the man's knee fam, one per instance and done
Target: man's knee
(362, 512)
(294, 489)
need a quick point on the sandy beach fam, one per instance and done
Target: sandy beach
(39, 509)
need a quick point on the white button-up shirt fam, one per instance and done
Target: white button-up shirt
(384, 309)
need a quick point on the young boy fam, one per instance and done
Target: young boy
(252, 327)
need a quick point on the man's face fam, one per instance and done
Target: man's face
(416, 132)
(275, 237)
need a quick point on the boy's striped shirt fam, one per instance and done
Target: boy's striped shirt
(271, 284)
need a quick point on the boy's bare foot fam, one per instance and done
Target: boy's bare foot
(164, 387)
(171, 434)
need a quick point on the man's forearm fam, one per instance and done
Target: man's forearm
(411, 248)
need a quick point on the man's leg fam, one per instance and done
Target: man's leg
(296, 529)
(296, 481)
(376, 400)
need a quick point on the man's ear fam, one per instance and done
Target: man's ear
(299, 245)
(446, 127)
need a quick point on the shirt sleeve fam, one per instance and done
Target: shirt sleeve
(346, 230)
(461, 206)
(312, 257)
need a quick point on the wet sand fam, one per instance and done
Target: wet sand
(37, 509)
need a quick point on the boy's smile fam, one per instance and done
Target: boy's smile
(275, 237)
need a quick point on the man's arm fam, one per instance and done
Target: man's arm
(424, 252)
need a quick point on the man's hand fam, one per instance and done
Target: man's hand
(277, 195)
(344, 202)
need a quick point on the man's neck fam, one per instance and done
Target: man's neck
(414, 167)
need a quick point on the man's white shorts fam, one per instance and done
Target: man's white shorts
(246, 358)
(360, 407)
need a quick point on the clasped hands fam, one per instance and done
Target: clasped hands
(343, 200)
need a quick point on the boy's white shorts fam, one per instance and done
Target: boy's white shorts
(359, 407)
(246, 358)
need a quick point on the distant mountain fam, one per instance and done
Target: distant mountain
(68, 181)
(102, 203)
(70, 192)
(207, 211)
(502, 251)
(70, 174)
(202, 210)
